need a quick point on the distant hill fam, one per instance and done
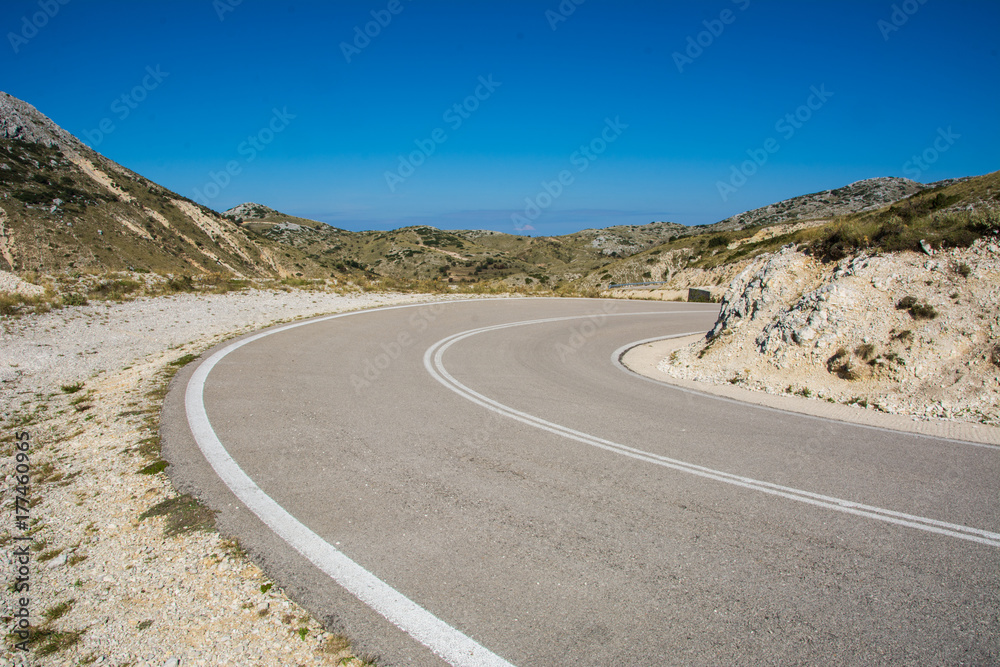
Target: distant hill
(459, 256)
(65, 207)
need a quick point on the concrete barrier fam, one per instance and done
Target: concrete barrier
(696, 295)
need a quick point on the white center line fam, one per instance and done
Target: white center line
(433, 362)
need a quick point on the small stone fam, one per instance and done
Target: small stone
(804, 335)
(172, 662)
(58, 560)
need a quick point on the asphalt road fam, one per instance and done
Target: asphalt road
(517, 498)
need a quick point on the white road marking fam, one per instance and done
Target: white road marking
(449, 644)
(433, 362)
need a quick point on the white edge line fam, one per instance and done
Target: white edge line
(448, 643)
(616, 359)
(433, 363)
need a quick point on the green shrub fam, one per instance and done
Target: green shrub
(74, 299)
(180, 284)
(115, 289)
(918, 311)
(866, 351)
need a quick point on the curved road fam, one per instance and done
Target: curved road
(485, 477)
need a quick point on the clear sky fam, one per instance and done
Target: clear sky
(540, 117)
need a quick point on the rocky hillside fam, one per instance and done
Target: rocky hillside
(903, 333)
(942, 214)
(459, 256)
(857, 197)
(895, 309)
(66, 207)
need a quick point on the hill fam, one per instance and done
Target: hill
(940, 214)
(462, 256)
(860, 196)
(65, 207)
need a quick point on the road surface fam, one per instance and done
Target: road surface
(479, 483)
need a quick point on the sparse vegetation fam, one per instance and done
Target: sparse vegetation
(183, 361)
(865, 351)
(153, 468)
(183, 514)
(917, 310)
(840, 365)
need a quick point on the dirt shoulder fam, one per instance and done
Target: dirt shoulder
(121, 568)
(645, 359)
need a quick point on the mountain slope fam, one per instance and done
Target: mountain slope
(859, 196)
(944, 214)
(63, 206)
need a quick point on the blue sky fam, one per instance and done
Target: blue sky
(569, 115)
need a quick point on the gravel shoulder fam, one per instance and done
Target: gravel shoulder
(123, 569)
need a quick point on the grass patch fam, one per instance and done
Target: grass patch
(183, 514)
(153, 468)
(49, 555)
(183, 361)
(917, 310)
(74, 299)
(149, 447)
(180, 284)
(114, 290)
(71, 388)
(50, 642)
(58, 611)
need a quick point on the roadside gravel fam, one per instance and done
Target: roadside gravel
(109, 585)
